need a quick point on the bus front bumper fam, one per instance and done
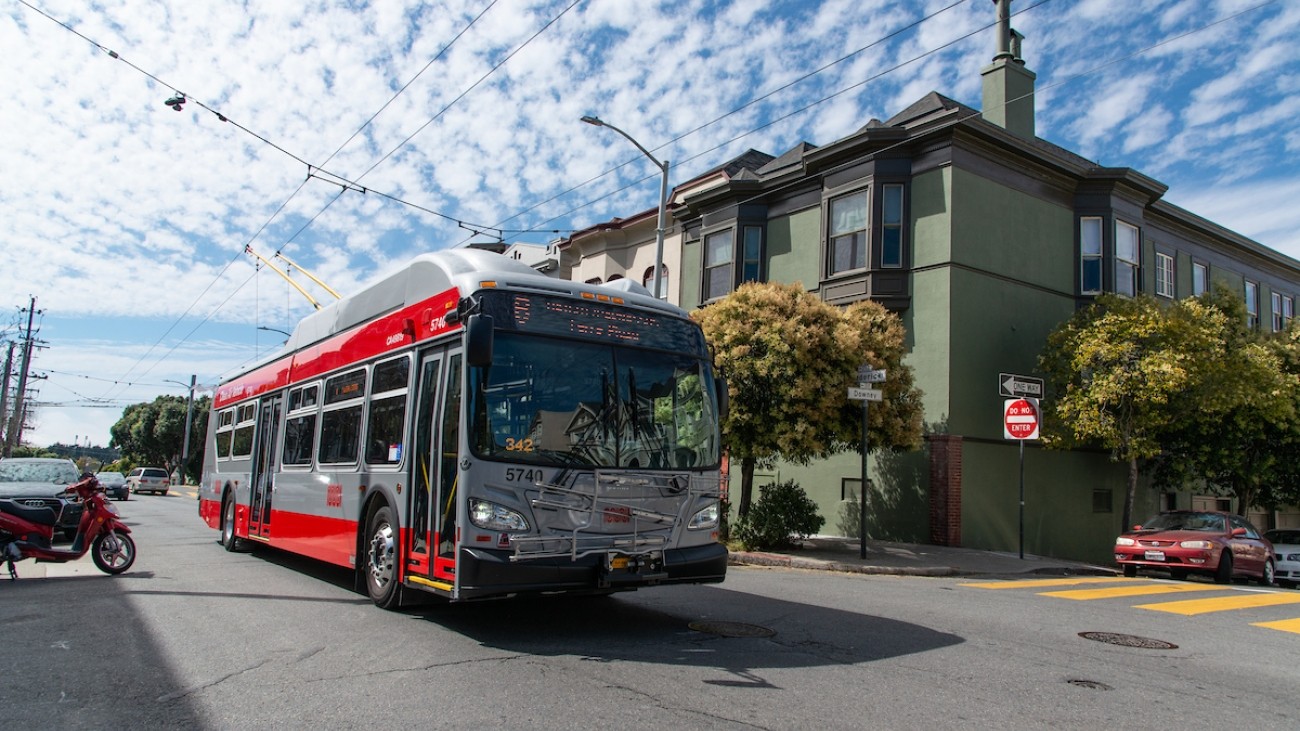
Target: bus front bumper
(485, 573)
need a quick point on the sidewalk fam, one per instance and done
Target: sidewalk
(911, 559)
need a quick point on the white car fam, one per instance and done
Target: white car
(1286, 554)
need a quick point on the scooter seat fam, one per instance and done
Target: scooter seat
(41, 515)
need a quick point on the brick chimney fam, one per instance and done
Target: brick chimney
(1008, 85)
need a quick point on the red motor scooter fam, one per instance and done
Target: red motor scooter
(28, 532)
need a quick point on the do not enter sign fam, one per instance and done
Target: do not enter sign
(1020, 418)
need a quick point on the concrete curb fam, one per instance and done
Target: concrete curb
(750, 558)
(781, 560)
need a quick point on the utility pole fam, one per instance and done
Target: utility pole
(4, 391)
(189, 416)
(15, 435)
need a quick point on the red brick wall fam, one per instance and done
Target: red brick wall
(945, 489)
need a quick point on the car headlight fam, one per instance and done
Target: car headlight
(704, 519)
(1196, 544)
(491, 516)
(1122, 541)
(1293, 557)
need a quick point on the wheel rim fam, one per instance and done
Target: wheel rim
(228, 524)
(382, 550)
(114, 551)
(1268, 572)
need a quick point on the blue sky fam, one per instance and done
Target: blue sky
(126, 219)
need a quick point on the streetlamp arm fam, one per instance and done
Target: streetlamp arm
(597, 122)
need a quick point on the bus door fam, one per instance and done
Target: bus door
(266, 463)
(432, 541)
(447, 450)
(424, 469)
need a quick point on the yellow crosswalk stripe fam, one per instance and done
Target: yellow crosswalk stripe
(1040, 583)
(1286, 625)
(1114, 592)
(1223, 603)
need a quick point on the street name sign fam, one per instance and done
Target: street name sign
(1020, 419)
(1012, 386)
(862, 393)
(867, 374)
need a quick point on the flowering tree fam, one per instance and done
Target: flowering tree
(789, 359)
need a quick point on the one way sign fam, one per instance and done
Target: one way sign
(1012, 386)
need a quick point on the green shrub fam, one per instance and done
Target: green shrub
(782, 514)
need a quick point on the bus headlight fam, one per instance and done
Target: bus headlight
(704, 519)
(491, 516)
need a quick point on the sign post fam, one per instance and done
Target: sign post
(866, 394)
(1020, 422)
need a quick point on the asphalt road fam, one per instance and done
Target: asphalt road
(194, 637)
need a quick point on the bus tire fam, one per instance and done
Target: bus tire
(228, 538)
(380, 565)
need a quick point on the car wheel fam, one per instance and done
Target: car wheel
(1223, 574)
(164, 493)
(1266, 578)
(1130, 571)
(381, 560)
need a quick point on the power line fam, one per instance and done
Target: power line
(793, 113)
(715, 120)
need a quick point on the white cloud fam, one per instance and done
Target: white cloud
(118, 212)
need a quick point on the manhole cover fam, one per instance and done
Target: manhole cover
(1144, 643)
(732, 629)
(1090, 684)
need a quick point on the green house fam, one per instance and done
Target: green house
(983, 238)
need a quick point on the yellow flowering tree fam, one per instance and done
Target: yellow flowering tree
(789, 359)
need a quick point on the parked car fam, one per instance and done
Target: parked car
(40, 481)
(1286, 551)
(148, 479)
(114, 484)
(1181, 542)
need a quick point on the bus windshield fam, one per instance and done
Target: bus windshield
(570, 403)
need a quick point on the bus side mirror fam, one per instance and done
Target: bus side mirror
(724, 398)
(478, 340)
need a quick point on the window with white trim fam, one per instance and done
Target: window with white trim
(1278, 321)
(848, 232)
(1127, 258)
(1288, 310)
(1200, 278)
(1252, 305)
(1090, 255)
(648, 279)
(1164, 275)
(718, 253)
(300, 426)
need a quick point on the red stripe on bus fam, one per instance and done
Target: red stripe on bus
(397, 330)
(332, 540)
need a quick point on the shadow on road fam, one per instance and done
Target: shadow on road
(739, 633)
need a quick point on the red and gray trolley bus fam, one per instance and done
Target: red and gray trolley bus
(470, 428)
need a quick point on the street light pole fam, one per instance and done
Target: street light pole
(189, 417)
(663, 197)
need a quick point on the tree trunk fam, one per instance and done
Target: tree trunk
(746, 485)
(1126, 522)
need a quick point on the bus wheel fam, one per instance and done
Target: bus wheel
(381, 560)
(228, 538)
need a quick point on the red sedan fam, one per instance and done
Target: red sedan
(1221, 545)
